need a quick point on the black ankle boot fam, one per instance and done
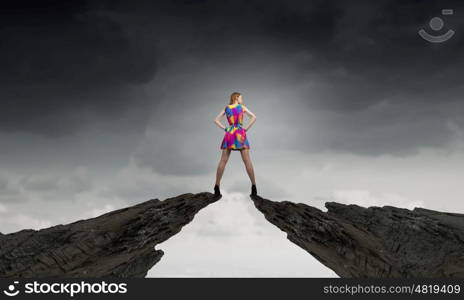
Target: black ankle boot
(216, 190)
(253, 190)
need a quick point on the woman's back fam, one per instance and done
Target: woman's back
(234, 114)
(235, 136)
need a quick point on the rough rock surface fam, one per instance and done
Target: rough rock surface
(117, 244)
(386, 241)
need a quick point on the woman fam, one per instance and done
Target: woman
(235, 138)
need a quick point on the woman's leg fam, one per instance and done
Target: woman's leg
(222, 164)
(248, 165)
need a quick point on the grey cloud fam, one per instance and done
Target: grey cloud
(39, 183)
(397, 128)
(175, 153)
(46, 186)
(8, 187)
(73, 183)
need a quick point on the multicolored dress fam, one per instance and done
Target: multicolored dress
(235, 137)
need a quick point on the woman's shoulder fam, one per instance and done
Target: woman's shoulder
(235, 104)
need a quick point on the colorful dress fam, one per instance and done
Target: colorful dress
(235, 137)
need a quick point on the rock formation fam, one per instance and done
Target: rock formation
(116, 244)
(353, 241)
(386, 241)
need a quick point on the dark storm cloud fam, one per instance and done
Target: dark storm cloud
(361, 51)
(375, 52)
(66, 65)
(63, 64)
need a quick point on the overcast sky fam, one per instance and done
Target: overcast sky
(105, 104)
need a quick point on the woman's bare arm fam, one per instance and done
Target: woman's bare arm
(251, 115)
(217, 120)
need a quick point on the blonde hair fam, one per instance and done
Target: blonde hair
(233, 97)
